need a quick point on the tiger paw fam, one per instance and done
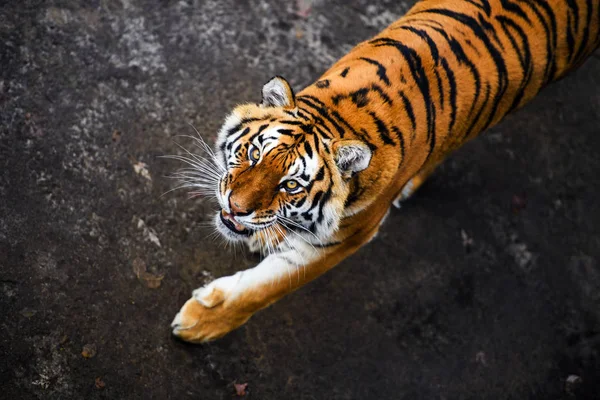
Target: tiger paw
(197, 323)
(208, 315)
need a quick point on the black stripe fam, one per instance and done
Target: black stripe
(382, 129)
(513, 8)
(435, 54)
(355, 194)
(420, 77)
(260, 130)
(462, 58)
(338, 117)
(485, 6)
(238, 148)
(549, 50)
(426, 22)
(574, 13)
(359, 97)
(524, 57)
(247, 120)
(321, 245)
(308, 129)
(364, 136)
(234, 130)
(318, 122)
(322, 132)
(570, 38)
(401, 140)
(315, 200)
(586, 32)
(554, 31)
(320, 175)
(502, 78)
(231, 142)
(322, 84)
(324, 201)
(301, 115)
(308, 150)
(386, 99)
(345, 72)
(286, 132)
(452, 99)
(313, 102)
(440, 88)
(409, 111)
(489, 28)
(336, 99)
(381, 70)
(488, 89)
(301, 202)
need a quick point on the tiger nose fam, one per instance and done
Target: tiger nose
(237, 210)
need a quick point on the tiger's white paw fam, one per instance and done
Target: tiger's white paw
(207, 315)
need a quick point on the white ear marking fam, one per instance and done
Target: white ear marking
(278, 93)
(351, 156)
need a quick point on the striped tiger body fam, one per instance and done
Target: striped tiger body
(308, 178)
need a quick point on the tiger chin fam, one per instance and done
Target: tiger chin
(307, 179)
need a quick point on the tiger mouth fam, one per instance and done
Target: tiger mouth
(233, 225)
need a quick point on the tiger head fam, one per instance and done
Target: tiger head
(282, 169)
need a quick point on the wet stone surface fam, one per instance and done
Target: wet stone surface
(486, 285)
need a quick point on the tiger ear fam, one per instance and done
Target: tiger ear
(351, 156)
(278, 93)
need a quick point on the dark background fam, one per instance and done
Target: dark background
(485, 286)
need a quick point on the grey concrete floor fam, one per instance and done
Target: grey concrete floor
(485, 286)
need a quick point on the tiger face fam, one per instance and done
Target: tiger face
(282, 176)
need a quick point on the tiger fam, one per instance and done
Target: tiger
(308, 178)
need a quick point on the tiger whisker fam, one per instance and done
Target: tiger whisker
(206, 146)
(194, 163)
(186, 185)
(289, 243)
(299, 235)
(294, 223)
(191, 172)
(210, 158)
(210, 161)
(196, 179)
(197, 160)
(304, 266)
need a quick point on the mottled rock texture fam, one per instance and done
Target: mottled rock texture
(485, 286)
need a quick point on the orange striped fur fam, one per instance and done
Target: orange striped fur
(308, 178)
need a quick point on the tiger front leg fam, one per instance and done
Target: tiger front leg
(226, 303)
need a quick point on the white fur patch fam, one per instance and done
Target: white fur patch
(275, 94)
(225, 284)
(405, 194)
(407, 190)
(353, 157)
(286, 265)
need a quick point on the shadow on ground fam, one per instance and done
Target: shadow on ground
(485, 286)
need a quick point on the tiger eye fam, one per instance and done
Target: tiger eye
(291, 185)
(254, 154)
